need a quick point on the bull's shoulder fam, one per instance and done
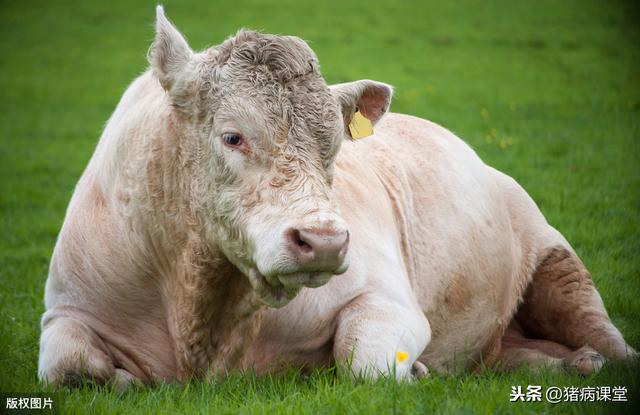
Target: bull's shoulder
(420, 132)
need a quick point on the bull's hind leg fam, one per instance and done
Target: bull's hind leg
(562, 305)
(517, 350)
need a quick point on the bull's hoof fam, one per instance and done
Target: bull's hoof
(585, 360)
(124, 381)
(419, 370)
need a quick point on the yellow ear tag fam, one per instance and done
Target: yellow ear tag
(360, 126)
(401, 356)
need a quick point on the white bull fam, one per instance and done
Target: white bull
(226, 182)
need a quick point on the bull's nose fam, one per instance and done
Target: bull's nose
(318, 249)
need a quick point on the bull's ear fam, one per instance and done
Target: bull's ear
(170, 53)
(371, 98)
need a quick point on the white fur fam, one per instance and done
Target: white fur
(174, 242)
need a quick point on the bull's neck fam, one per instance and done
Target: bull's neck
(168, 191)
(214, 316)
(168, 198)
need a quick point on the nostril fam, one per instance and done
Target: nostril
(296, 239)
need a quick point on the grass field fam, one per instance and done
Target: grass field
(546, 91)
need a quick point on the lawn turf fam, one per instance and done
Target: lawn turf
(546, 91)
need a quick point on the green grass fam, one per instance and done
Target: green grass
(548, 92)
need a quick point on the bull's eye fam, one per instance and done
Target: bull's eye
(232, 139)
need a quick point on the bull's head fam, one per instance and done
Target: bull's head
(268, 130)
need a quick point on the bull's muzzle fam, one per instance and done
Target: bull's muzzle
(318, 250)
(312, 256)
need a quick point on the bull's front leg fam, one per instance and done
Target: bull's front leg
(377, 336)
(72, 352)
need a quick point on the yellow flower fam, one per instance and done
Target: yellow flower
(401, 356)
